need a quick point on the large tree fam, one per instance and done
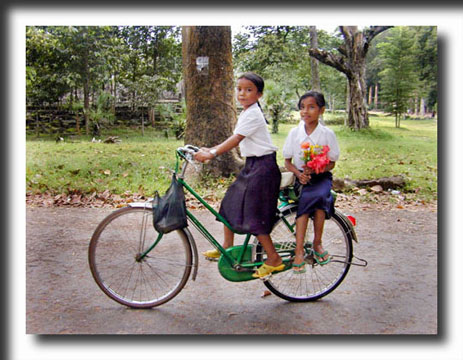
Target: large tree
(209, 92)
(351, 62)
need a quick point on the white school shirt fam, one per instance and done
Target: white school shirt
(320, 136)
(257, 141)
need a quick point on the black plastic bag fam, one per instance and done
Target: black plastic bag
(169, 211)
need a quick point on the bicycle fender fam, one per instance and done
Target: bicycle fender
(194, 249)
(348, 225)
(144, 205)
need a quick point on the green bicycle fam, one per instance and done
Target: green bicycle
(138, 267)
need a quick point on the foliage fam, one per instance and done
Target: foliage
(46, 82)
(74, 66)
(152, 62)
(423, 46)
(80, 63)
(426, 62)
(280, 54)
(398, 78)
(179, 122)
(277, 99)
(101, 112)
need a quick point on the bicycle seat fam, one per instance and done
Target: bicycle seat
(287, 179)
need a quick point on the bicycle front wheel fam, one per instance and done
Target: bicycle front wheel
(129, 278)
(317, 281)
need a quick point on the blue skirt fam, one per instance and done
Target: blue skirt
(250, 203)
(316, 195)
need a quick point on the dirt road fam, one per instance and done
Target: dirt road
(395, 294)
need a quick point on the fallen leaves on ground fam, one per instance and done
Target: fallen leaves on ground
(106, 199)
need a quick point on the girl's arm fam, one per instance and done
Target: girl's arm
(330, 166)
(303, 177)
(233, 141)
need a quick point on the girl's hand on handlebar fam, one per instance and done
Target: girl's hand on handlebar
(203, 155)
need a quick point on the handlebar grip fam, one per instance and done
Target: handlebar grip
(188, 149)
(192, 147)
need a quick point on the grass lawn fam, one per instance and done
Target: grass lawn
(141, 164)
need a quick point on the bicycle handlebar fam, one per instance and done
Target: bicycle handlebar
(190, 149)
(186, 152)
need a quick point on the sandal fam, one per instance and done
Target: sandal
(299, 268)
(213, 254)
(266, 270)
(318, 256)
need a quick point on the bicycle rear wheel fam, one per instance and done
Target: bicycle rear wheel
(317, 281)
(114, 258)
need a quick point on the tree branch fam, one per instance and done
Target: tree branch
(370, 33)
(348, 33)
(336, 61)
(342, 49)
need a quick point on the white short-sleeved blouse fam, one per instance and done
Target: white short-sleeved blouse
(257, 141)
(320, 136)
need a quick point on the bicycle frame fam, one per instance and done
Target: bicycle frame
(238, 263)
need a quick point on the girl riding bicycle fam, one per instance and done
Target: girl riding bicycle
(251, 201)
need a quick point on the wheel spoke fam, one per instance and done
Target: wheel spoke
(317, 280)
(148, 282)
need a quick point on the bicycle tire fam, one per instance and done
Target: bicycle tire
(152, 281)
(318, 281)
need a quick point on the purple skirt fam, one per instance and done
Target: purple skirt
(317, 195)
(250, 203)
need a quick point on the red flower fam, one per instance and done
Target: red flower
(315, 156)
(318, 163)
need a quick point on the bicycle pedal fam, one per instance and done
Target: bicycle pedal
(266, 277)
(211, 259)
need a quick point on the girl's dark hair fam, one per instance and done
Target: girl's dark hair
(259, 82)
(255, 79)
(318, 96)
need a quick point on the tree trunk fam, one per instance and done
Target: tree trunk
(142, 124)
(351, 62)
(358, 110)
(151, 118)
(376, 96)
(77, 122)
(86, 106)
(209, 92)
(347, 102)
(422, 106)
(37, 124)
(313, 61)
